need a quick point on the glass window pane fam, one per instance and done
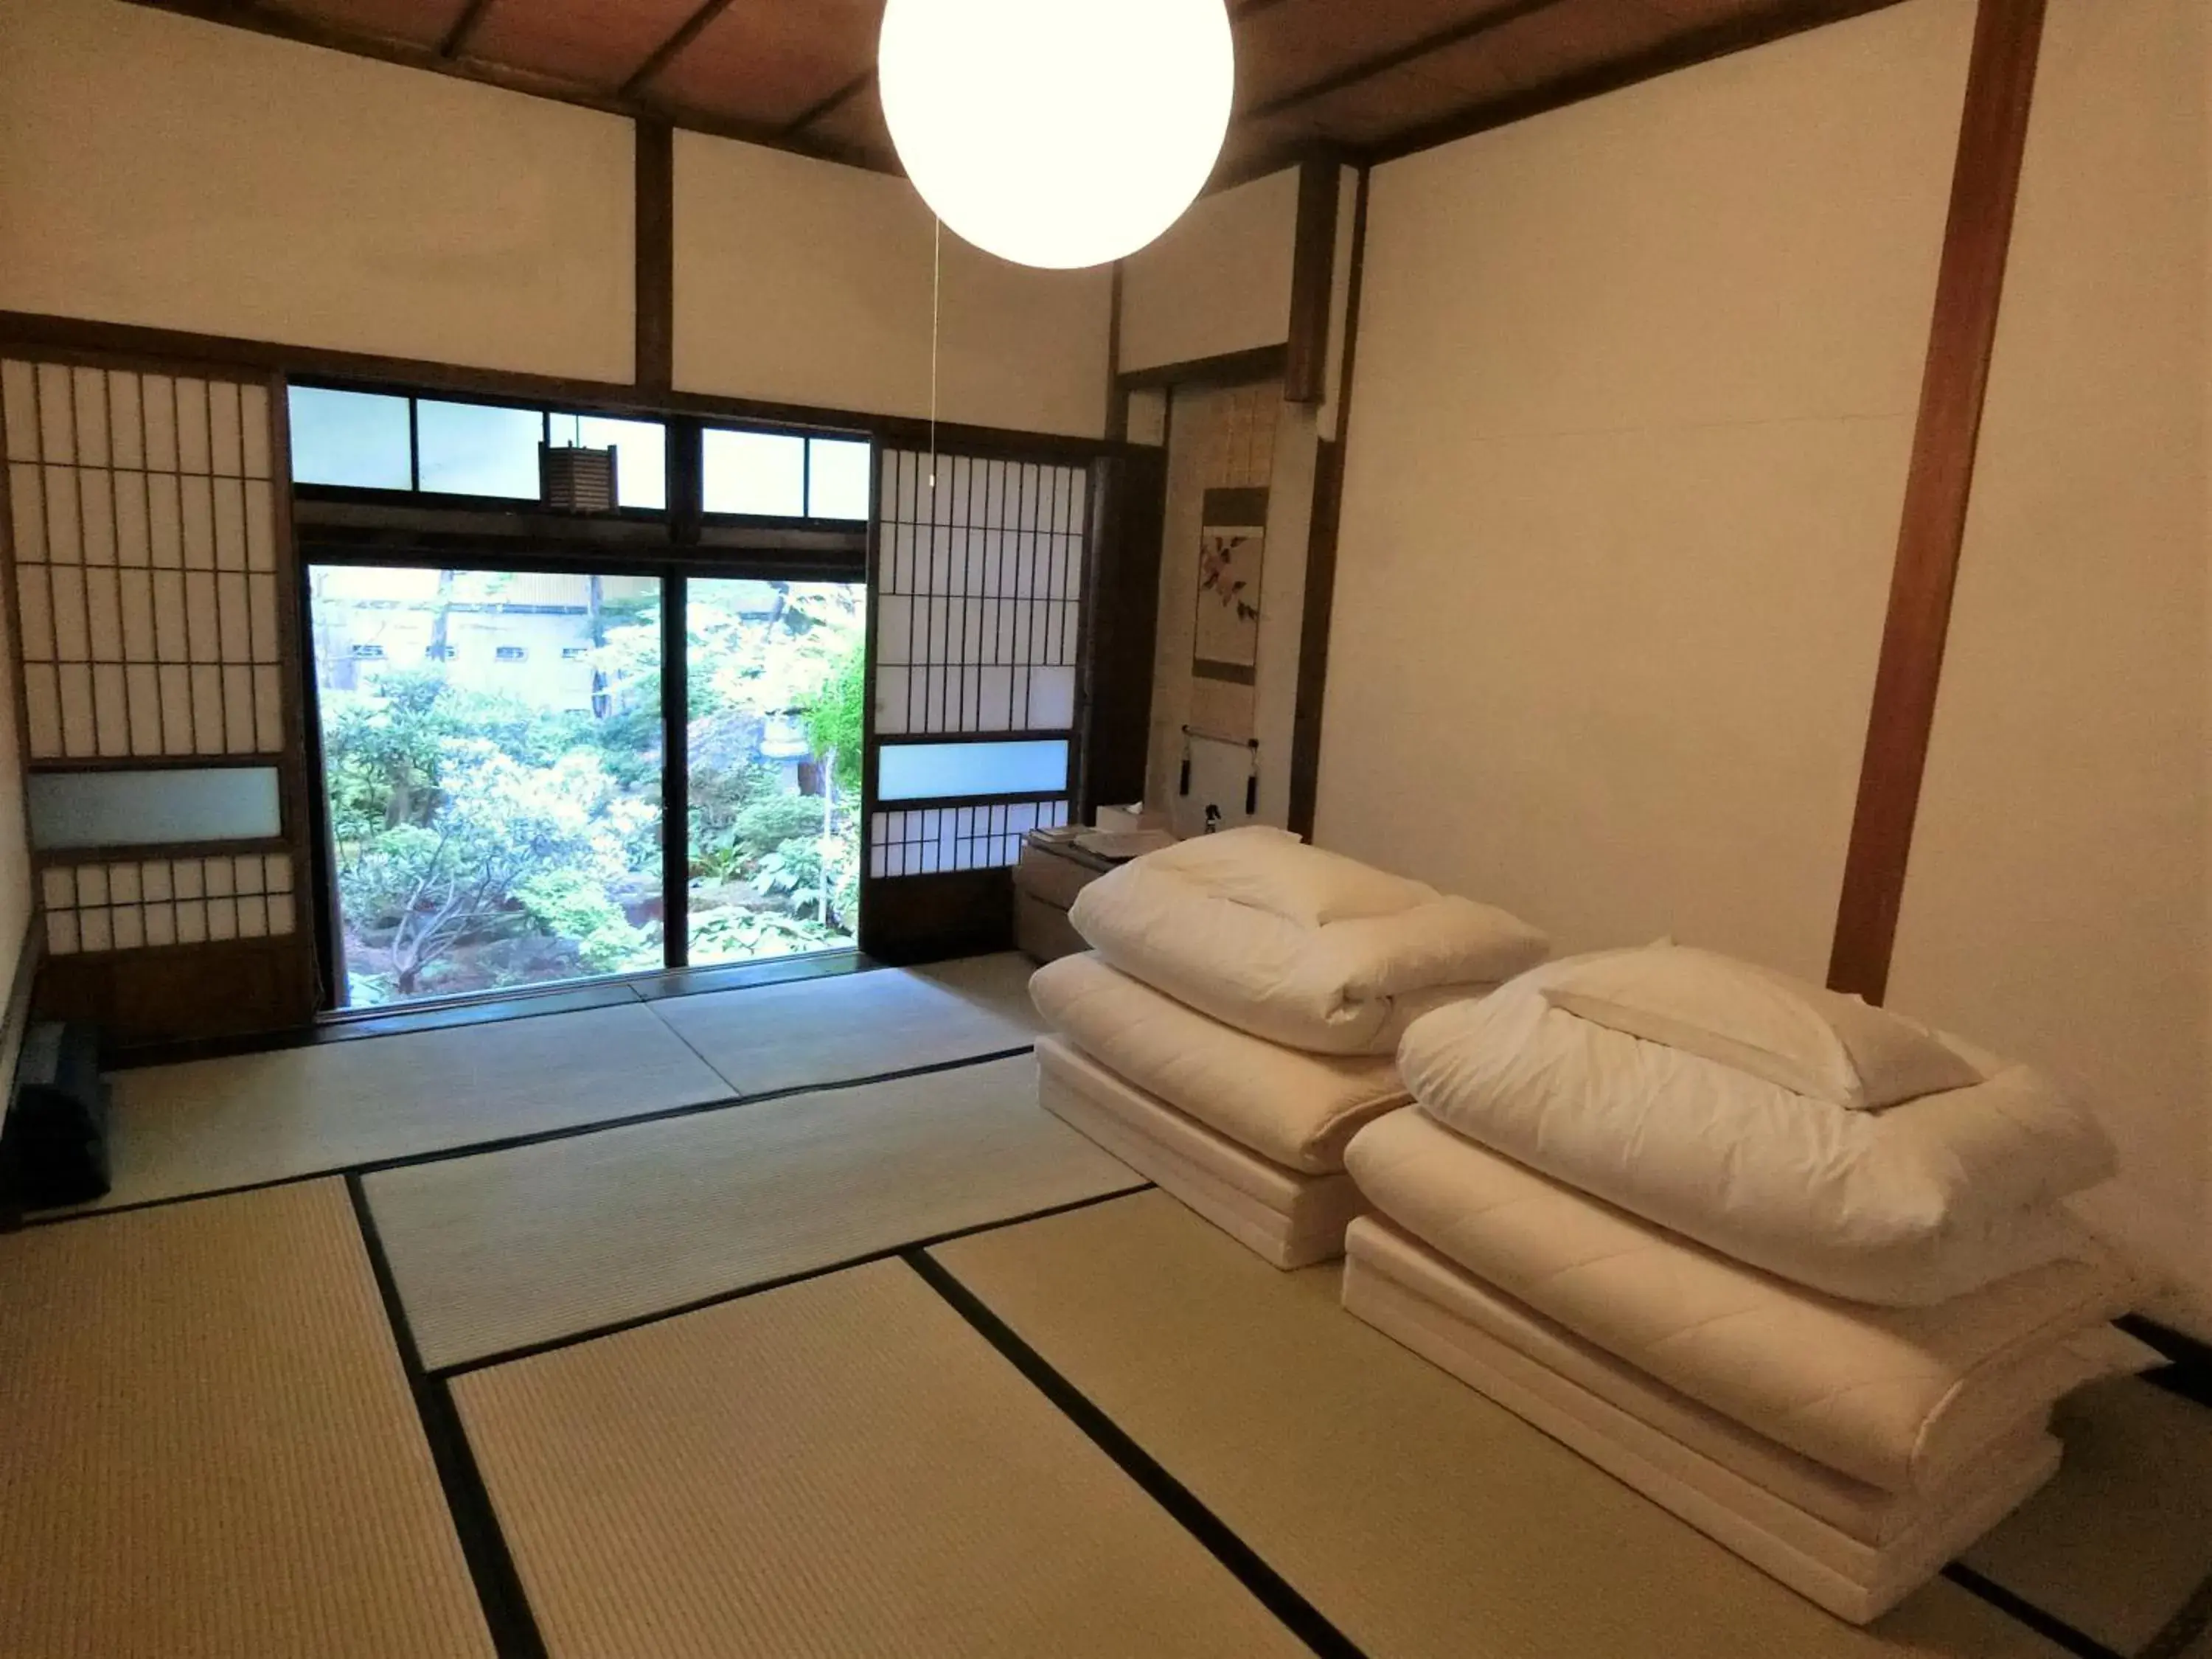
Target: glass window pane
(152, 808)
(778, 684)
(492, 775)
(354, 438)
(932, 771)
(760, 472)
(478, 449)
(837, 479)
(641, 454)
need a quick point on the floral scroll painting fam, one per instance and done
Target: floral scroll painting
(1229, 556)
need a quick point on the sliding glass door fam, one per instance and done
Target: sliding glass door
(491, 759)
(775, 674)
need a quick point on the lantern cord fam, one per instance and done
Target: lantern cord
(936, 293)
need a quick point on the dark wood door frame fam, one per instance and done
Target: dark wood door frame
(1313, 277)
(654, 369)
(1968, 287)
(1322, 549)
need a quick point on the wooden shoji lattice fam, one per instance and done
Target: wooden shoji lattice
(143, 522)
(122, 906)
(978, 601)
(929, 841)
(979, 584)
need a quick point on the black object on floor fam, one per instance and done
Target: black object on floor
(54, 1150)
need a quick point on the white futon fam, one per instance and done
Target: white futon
(1234, 1022)
(1696, 1220)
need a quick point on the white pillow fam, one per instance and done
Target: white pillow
(1272, 870)
(1812, 1042)
(1907, 1206)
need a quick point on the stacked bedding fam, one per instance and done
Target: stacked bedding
(1796, 1266)
(1234, 1022)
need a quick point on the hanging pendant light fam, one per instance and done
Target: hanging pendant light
(1060, 133)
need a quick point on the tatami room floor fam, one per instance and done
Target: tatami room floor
(781, 1321)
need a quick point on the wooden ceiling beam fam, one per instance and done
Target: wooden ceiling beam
(307, 32)
(1413, 51)
(1678, 51)
(836, 100)
(861, 83)
(457, 38)
(665, 54)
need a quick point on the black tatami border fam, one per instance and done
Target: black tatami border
(555, 1344)
(491, 1566)
(2025, 1611)
(510, 1143)
(2190, 1622)
(506, 1607)
(1274, 1592)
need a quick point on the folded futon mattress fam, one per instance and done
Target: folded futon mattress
(1293, 1108)
(1898, 1398)
(1800, 1131)
(1303, 948)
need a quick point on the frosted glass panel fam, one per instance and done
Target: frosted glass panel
(354, 438)
(476, 449)
(154, 808)
(837, 479)
(932, 771)
(761, 472)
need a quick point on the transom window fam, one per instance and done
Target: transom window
(399, 442)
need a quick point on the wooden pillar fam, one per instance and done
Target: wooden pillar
(1969, 285)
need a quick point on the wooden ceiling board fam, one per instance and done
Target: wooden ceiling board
(856, 126)
(1698, 13)
(590, 42)
(1299, 42)
(770, 61)
(414, 22)
(1551, 44)
(1381, 106)
(1380, 76)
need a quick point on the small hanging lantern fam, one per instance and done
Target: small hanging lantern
(576, 480)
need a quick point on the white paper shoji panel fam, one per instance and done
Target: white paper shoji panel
(157, 902)
(930, 840)
(143, 520)
(978, 598)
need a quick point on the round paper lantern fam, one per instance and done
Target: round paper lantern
(1057, 132)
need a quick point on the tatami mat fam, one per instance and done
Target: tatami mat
(209, 1124)
(509, 1249)
(999, 983)
(207, 1446)
(1415, 1515)
(2120, 1539)
(836, 1468)
(770, 1037)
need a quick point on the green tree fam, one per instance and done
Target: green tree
(501, 827)
(834, 716)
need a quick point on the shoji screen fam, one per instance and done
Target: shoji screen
(151, 592)
(978, 629)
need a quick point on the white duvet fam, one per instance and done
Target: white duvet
(1302, 947)
(1899, 1398)
(1907, 1206)
(1294, 1109)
